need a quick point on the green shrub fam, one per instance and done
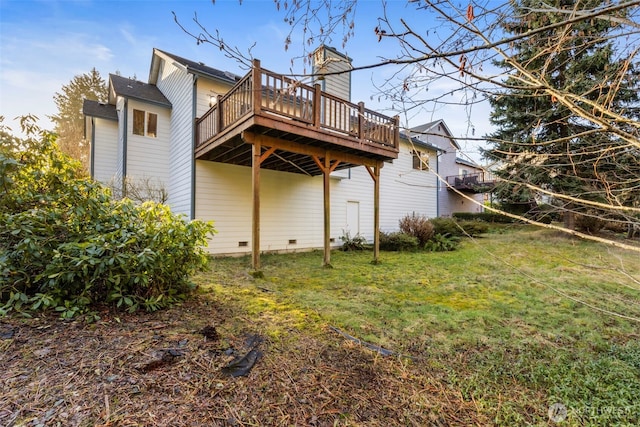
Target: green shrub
(66, 244)
(451, 227)
(483, 216)
(417, 226)
(442, 243)
(398, 241)
(353, 243)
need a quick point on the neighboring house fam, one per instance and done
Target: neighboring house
(212, 137)
(462, 175)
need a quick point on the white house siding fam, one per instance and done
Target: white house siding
(291, 208)
(121, 106)
(449, 201)
(147, 157)
(206, 89)
(403, 191)
(328, 61)
(177, 86)
(105, 149)
(292, 204)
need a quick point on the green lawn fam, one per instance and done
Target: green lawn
(514, 321)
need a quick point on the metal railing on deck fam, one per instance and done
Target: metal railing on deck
(292, 100)
(480, 181)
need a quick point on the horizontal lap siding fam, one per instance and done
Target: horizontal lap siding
(291, 208)
(148, 158)
(207, 88)
(292, 205)
(177, 86)
(105, 150)
(357, 188)
(122, 134)
(404, 190)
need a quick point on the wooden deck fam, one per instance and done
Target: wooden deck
(297, 122)
(471, 183)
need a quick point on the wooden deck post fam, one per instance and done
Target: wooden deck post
(317, 106)
(255, 189)
(256, 82)
(361, 121)
(376, 213)
(326, 172)
(375, 175)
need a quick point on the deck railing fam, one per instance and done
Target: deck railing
(480, 182)
(288, 99)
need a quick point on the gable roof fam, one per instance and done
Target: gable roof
(193, 67)
(98, 109)
(427, 128)
(467, 163)
(416, 141)
(134, 89)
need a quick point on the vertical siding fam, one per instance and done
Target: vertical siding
(105, 150)
(148, 158)
(177, 85)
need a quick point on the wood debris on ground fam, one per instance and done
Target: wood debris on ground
(166, 369)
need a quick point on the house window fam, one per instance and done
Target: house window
(145, 123)
(420, 160)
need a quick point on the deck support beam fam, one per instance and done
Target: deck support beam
(326, 168)
(255, 217)
(375, 175)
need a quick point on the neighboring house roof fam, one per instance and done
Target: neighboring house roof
(198, 68)
(417, 141)
(99, 109)
(467, 163)
(134, 89)
(427, 127)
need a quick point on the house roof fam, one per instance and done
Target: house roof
(194, 67)
(134, 89)
(427, 128)
(467, 163)
(417, 141)
(99, 109)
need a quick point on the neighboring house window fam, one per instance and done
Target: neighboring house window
(420, 160)
(145, 123)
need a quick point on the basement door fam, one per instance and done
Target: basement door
(353, 218)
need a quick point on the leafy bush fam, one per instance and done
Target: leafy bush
(451, 227)
(417, 226)
(66, 244)
(353, 243)
(398, 241)
(483, 216)
(442, 243)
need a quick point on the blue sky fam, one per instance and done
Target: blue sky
(45, 43)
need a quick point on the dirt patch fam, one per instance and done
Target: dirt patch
(166, 369)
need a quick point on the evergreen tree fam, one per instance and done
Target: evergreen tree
(546, 143)
(69, 122)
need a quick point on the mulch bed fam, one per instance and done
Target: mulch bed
(167, 369)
